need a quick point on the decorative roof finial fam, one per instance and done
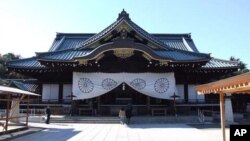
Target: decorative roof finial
(124, 15)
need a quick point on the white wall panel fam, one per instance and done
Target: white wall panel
(67, 90)
(46, 92)
(180, 91)
(192, 94)
(50, 92)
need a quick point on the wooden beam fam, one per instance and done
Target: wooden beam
(222, 115)
(240, 81)
(13, 100)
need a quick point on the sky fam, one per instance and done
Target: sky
(219, 27)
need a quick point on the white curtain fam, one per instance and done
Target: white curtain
(89, 85)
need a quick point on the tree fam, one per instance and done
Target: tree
(242, 65)
(242, 68)
(4, 74)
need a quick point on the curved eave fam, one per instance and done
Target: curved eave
(27, 63)
(39, 54)
(230, 67)
(56, 60)
(130, 44)
(121, 44)
(27, 68)
(192, 61)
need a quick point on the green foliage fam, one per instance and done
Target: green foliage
(242, 68)
(4, 74)
(242, 65)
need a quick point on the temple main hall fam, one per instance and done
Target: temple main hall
(122, 64)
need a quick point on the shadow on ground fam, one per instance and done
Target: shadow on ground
(43, 135)
(144, 126)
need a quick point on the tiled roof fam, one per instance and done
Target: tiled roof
(68, 40)
(147, 35)
(178, 56)
(220, 64)
(123, 18)
(100, 34)
(25, 63)
(181, 55)
(69, 55)
(66, 46)
(64, 55)
(171, 40)
(182, 42)
(27, 85)
(175, 55)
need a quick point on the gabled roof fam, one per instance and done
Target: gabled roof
(79, 41)
(64, 41)
(68, 46)
(124, 22)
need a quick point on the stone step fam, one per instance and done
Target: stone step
(165, 119)
(78, 119)
(134, 120)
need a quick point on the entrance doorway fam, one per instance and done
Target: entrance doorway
(124, 96)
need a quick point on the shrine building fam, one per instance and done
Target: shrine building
(123, 64)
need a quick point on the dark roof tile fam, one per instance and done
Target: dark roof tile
(218, 63)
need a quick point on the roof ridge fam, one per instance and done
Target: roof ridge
(155, 40)
(71, 33)
(60, 42)
(51, 52)
(229, 61)
(123, 17)
(171, 34)
(94, 37)
(186, 44)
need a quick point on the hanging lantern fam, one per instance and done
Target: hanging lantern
(123, 86)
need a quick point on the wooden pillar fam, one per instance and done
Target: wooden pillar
(98, 102)
(7, 112)
(148, 105)
(186, 92)
(175, 111)
(60, 95)
(27, 113)
(222, 115)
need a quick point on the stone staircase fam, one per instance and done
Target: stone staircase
(164, 119)
(134, 120)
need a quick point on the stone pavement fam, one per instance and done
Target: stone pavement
(117, 132)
